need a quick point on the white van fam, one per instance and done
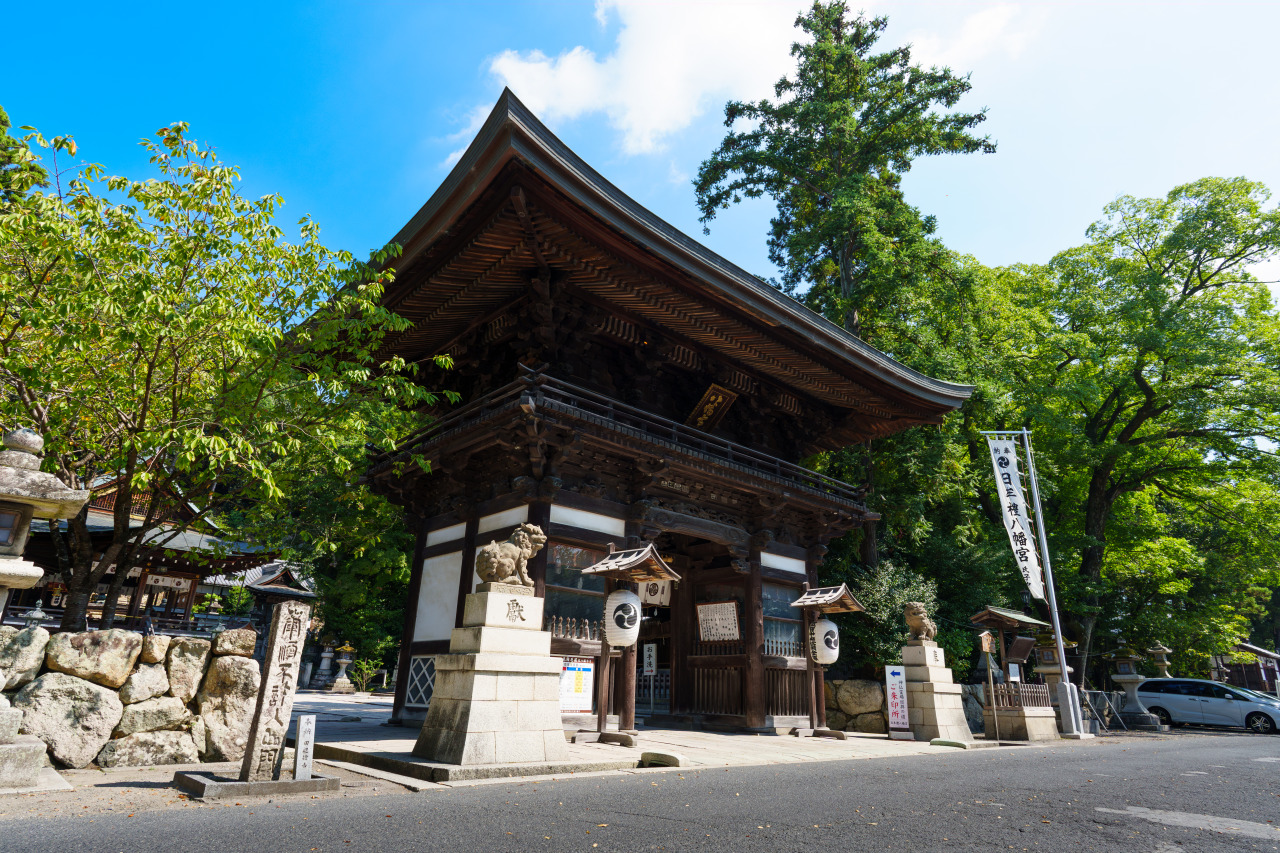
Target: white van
(1177, 701)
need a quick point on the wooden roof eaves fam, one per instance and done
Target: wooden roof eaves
(512, 131)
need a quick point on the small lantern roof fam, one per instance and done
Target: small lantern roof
(22, 481)
(634, 565)
(1159, 649)
(829, 599)
(1002, 618)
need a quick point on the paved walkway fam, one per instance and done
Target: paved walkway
(366, 739)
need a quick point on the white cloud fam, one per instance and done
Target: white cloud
(671, 62)
(1004, 28)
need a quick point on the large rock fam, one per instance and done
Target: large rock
(21, 654)
(829, 694)
(146, 682)
(163, 712)
(971, 696)
(72, 716)
(148, 748)
(237, 641)
(187, 658)
(837, 720)
(226, 702)
(860, 696)
(873, 723)
(154, 648)
(103, 657)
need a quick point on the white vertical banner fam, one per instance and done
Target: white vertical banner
(1013, 506)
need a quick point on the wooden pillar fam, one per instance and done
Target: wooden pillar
(627, 686)
(540, 517)
(754, 702)
(815, 695)
(684, 634)
(468, 567)
(869, 552)
(602, 673)
(813, 560)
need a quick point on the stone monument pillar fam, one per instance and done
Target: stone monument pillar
(271, 716)
(497, 692)
(934, 705)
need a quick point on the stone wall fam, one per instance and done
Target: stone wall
(117, 698)
(858, 705)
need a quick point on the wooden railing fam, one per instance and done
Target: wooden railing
(535, 391)
(562, 628)
(717, 691)
(1018, 695)
(784, 648)
(789, 691)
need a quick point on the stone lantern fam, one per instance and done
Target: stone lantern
(1047, 663)
(1134, 714)
(342, 684)
(1160, 658)
(26, 492)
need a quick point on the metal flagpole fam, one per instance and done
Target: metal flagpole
(1066, 699)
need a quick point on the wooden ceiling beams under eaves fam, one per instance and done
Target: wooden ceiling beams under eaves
(521, 225)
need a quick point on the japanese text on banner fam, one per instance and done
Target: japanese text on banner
(1013, 506)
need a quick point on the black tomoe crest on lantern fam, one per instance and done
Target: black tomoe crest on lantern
(622, 618)
(824, 641)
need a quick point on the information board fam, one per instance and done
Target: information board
(895, 691)
(577, 684)
(718, 622)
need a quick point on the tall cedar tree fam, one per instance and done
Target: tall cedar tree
(19, 170)
(831, 152)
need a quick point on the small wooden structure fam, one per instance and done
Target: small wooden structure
(623, 384)
(825, 600)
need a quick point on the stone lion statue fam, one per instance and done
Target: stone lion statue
(505, 562)
(922, 627)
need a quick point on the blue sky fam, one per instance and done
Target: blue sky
(352, 111)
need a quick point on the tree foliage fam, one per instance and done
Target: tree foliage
(19, 169)
(831, 152)
(169, 342)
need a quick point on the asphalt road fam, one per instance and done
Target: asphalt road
(1187, 792)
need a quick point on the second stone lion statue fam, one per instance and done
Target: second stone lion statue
(922, 627)
(506, 562)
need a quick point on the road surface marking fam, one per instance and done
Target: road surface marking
(1200, 821)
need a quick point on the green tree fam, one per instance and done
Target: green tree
(354, 544)
(168, 339)
(19, 169)
(1149, 359)
(831, 152)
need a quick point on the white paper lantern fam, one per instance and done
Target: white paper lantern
(622, 618)
(824, 641)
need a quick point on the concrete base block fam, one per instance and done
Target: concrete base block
(47, 781)
(1029, 724)
(901, 735)
(663, 759)
(206, 786)
(21, 761)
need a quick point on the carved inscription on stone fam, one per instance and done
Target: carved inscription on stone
(275, 698)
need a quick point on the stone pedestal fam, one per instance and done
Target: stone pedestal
(1021, 723)
(1134, 714)
(934, 705)
(497, 693)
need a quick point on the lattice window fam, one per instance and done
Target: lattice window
(422, 681)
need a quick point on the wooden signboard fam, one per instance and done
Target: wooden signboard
(718, 622)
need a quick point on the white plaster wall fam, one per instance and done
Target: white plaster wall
(446, 534)
(786, 564)
(588, 520)
(506, 518)
(438, 597)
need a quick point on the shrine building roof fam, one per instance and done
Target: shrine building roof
(520, 200)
